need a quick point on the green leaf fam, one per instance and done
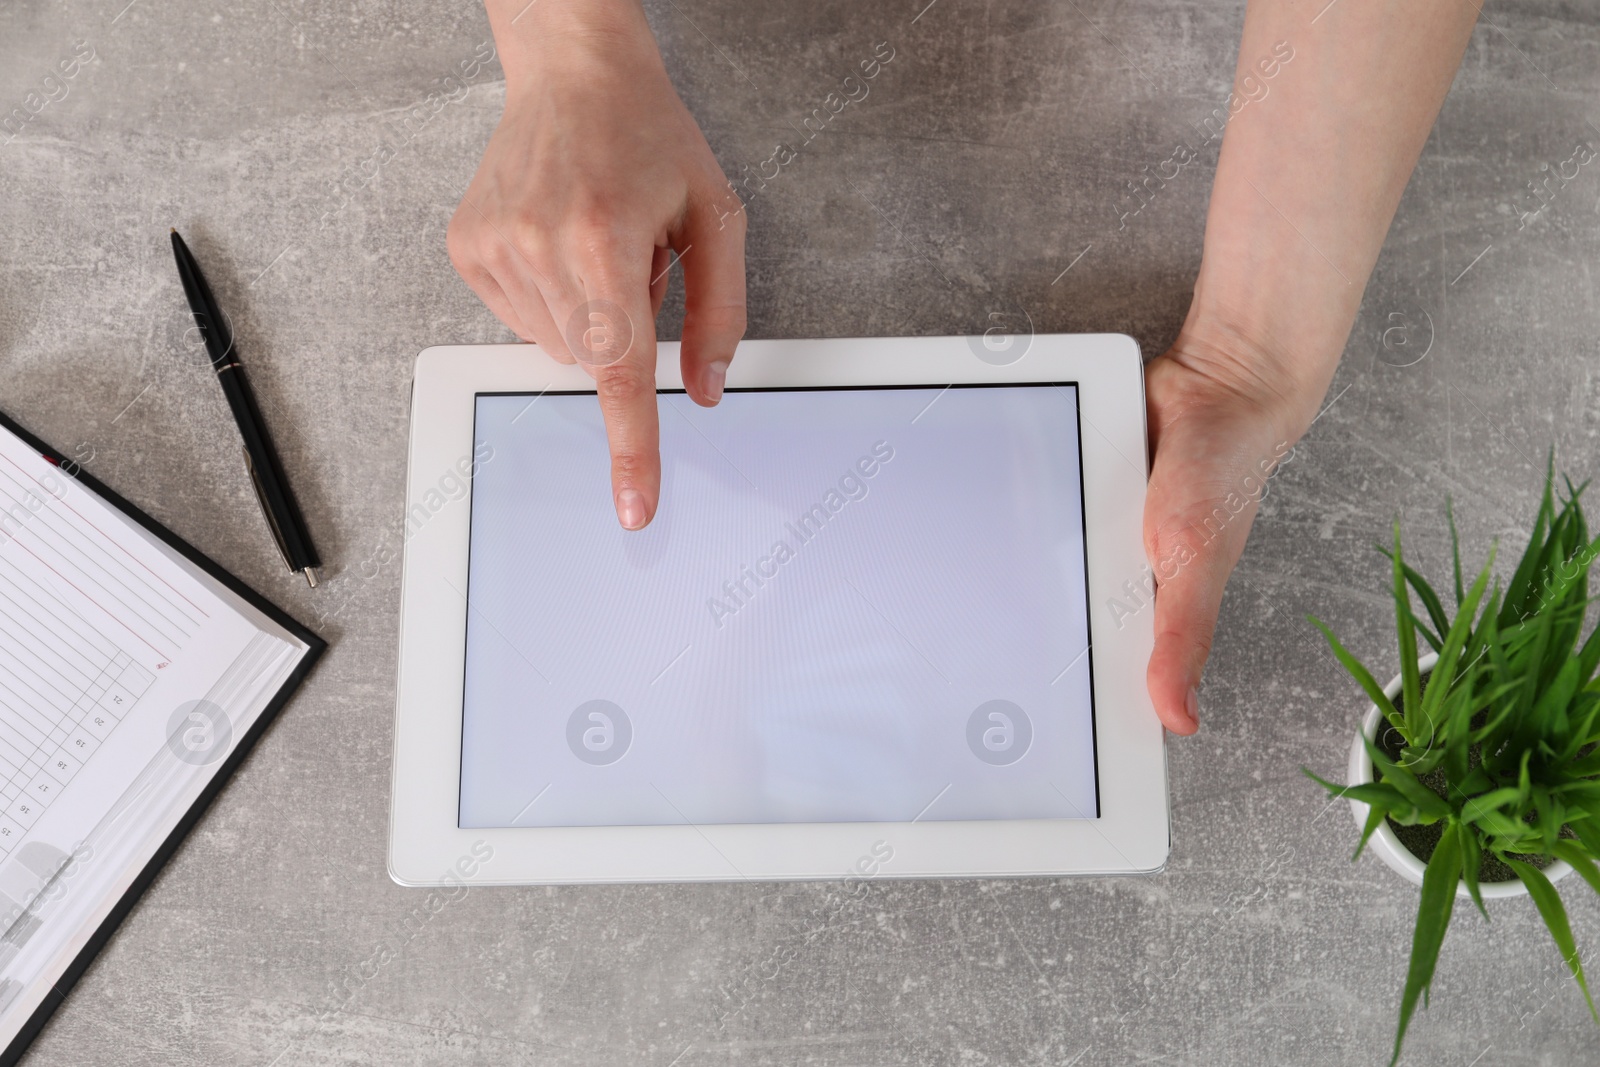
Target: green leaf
(1426, 800)
(1549, 904)
(1493, 637)
(1455, 548)
(1461, 707)
(1589, 656)
(1438, 897)
(1530, 722)
(1580, 860)
(1498, 825)
(1549, 818)
(1361, 675)
(1586, 767)
(1410, 676)
(1479, 806)
(1522, 580)
(1588, 831)
(1471, 858)
(1498, 697)
(1377, 794)
(1444, 671)
(1427, 634)
(1585, 709)
(1375, 817)
(1410, 816)
(1474, 783)
(1554, 701)
(1430, 601)
(1572, 791)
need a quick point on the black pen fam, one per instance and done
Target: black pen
(261, 459)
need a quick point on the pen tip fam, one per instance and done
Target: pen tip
(174, 229)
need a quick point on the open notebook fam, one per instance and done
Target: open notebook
(133, 674)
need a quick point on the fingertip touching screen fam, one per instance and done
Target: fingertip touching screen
(853, 605)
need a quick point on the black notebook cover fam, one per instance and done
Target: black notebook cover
(315, 647)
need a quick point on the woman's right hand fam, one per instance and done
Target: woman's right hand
(596, 173)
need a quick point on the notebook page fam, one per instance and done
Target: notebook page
(87, 883)
(126, 675)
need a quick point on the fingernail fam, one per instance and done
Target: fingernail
(630, 508)
(1192, 705)
(716, 374)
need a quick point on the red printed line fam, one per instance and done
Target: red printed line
(102, 533)
(93, 601)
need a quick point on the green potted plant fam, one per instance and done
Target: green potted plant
(1477, 771)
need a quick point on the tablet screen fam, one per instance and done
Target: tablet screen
(863, 604)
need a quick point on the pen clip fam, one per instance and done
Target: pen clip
(266, 512)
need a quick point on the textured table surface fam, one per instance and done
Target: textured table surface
(989, 157)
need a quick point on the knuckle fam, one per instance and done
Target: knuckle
(734, 219)
(494, 251)
(630, 467)
(728, 319)
(623, 387)
(544, 264)
(603, 332)
(1189, 635)
(529, 245)
(594, 233)
(717, 199)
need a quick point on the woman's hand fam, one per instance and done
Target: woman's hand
(595, 172)
(1327, 118)
(1222, 419)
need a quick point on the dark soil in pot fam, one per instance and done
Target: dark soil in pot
(1420, 841)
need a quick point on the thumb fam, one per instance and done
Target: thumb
(1204, 490)
(711, 249)
(1188, 598)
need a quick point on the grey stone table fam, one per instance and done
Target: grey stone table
(295, 144)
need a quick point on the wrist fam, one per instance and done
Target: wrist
(1270, 347)
(1270, 316)
(544, 37)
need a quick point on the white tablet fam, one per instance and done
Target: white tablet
(881, 625)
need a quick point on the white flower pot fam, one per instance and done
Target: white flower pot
(1384, 842)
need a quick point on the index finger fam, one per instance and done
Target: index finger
(613, 335)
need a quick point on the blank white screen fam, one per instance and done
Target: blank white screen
(793, 638)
